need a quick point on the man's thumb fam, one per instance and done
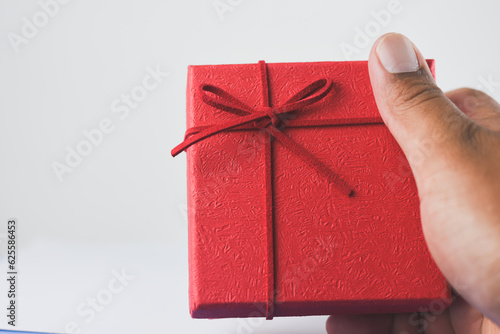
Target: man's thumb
(422, 119)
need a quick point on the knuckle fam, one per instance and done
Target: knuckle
(409, 93)
(474, 140)
(469, 133)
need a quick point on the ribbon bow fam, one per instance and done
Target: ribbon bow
(267, 118)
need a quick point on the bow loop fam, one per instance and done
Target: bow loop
(308, 95)
(223, 100)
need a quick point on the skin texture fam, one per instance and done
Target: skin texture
(452, 142)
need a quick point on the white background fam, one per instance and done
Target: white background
(123, 207)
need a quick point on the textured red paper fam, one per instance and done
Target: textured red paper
(332, 253)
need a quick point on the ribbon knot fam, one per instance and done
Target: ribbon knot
(275, 120)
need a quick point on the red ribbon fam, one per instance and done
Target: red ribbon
(270, 119)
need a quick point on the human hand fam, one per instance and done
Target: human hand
(452, 142)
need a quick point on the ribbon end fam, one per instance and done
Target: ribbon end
(175, 152)
(344, 188)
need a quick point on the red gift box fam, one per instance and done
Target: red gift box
(300, 201)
